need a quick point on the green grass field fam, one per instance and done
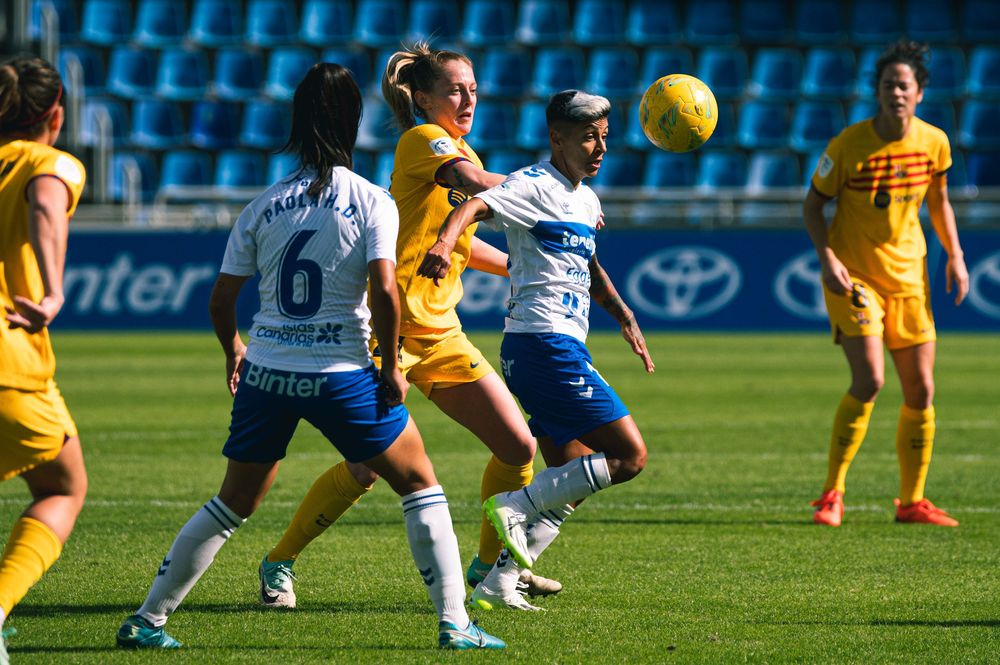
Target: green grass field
(709, 556)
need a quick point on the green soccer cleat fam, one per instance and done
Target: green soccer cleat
(137, 633)
(472, 636)
(510, 527)
(276, 589)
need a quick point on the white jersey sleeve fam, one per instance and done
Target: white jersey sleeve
(241, 250)
(382, 228)
(512, 203)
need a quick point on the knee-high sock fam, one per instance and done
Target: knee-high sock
(555, 487)
(329, 497)
(31, 549)
(192, 553)
(541, 532)
(849, 428)
(435, 551)
(498, 477)
(914, 445)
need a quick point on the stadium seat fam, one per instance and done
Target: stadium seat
(239, 168)
(635, 138)
(765, 22)
(820, 22)
(271, 23)
(214, 124)
(182, 74)
(865, 84)
(132, 72)
(356, 60)
(777, 74)
(132, 174)
(721, 169)
(91, 68)
(875, 22)
(157, 124)
(814, 124)
(504, 72)
(939, 114)
(65, 12)
(930, 21)
(556, 69)
(863, 109)
(661, 61)
(983, 169)
(265, 124)
(829, 73)
(773, 170)
(532, 130)
(285, 164)
(711, 22)
(542, 22)
(239, 73)
(286, 69)
(106, 22)
(653, 23)
(599, 23)
(724, 70)
(957, 175)
(380, 22)
(508, 161)
(434, 19)
(488, 23)
(984, 72)
(979, 128)
(186, 168)
(327, 22)
(947, 71)
(378, 129)
(216, 23)
(724, 135)
(382, 173)
(809, 163)
(495, 126)
(669, 169)
(160, 23)
(762, 125)
(96, 111)
(621, 168)
(612, 72)
(981, 21)
(364, 164)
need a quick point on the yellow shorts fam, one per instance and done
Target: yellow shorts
(901, 320)
(34, 425)
(436, 358)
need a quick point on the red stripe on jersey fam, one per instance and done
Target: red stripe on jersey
(890, 167)
(883, 158)
(888, 176)
(897, 186)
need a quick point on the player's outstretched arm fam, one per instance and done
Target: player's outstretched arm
(835, 275)
(437, 261)
(487, 258)
(385, 321)
(943, 220)
(604, 293)
(469, 178)
(222, 310)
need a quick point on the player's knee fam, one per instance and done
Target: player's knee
(628, 467)
(362, 474)
(867, 388)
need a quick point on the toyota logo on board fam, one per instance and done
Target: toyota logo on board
(984, 286)
(799, 288)
(684, 282)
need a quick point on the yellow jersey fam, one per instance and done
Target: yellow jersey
(27, 361)
(880, 186)
(424, 201)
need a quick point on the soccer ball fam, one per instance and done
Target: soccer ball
(678, 113)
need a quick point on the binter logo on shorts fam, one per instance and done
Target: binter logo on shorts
(278, 382)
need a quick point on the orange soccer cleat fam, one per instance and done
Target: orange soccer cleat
(829, 508)
(923, 512)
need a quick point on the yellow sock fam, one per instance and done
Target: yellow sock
(31, 549)
(914, 444)
(849, 428)
(498, 477)
(328, 498)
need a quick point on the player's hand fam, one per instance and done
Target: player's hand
(394, 386)
(632, 335)
(234, 367)
(957, 275)
(835, 276)
(32, 316)
(600, 221)
(436, 262)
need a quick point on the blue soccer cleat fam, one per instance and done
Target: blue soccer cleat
(137, 633)
(477, 571)
(276, 587)
(7, 632)
(472, 636)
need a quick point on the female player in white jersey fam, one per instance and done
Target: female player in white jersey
(586, 434)
(316, 239)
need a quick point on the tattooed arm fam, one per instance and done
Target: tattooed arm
(469, 178)
(603, 292)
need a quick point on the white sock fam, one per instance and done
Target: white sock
(435, 551)
(541, 532)
(555, 487)
(192, 553)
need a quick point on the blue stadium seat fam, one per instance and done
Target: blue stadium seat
(809, 163)
(157, 124)
(662, 61)
(722, 169)
(488, 23)
(286, 69)
(930, 21)
(239, 73)
(777, 74)
(621, 168)
(65, 12)
(863, 109)
(183, 74)
(711, 22)
(556, 69)
(635, 138)
(508, 161)
(541, 22)
(773, 170)
(382, 171)
(378, 129)
(829, 73)
(283, 165)
(724, 135)
(504, 72)
(380, 22)
(91, 67)
(865, 84)
(820, 22)
(765, 22)
(111, 112)
(495, 126)
(669, 169)
(327, 22)
(939, 114)
(613, 72)
(875, 22)
(132, 170)
(363, 164)
(214, 124)
(984, 72)
(106, 22)
(947, 71)
(132, 72)
(239, 168)
(265, 124)
(814, 124)
(981, 21)
(434, 19)
(958, 177)
(599, 23)
(216, 23)
(186, 168)
(356, 60)
(724, 69)
(271, 23)
(653, 23)
(532, 130)
(160, 23)
(979, 128)
(983, 169)
(763, 125)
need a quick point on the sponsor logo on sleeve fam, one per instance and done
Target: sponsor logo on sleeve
(67, 169)
(443, 146)
(825, 166)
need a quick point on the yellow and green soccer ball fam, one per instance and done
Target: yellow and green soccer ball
(678, 113)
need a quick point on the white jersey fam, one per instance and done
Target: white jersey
(550, 229)
(312, 255)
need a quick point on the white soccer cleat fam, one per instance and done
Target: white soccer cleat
(487, 599)
(276, 589)
(510, 525)
(536, 585)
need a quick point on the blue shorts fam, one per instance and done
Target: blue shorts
(346, 407)
(553, 377)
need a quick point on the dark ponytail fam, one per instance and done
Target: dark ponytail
(30, 91)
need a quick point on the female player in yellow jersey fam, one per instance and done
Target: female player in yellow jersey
(39, 189)
(874, 272)
(435, 171)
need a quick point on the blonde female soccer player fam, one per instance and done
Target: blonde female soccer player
(39, 189)
(435, 170)
(874, 271)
